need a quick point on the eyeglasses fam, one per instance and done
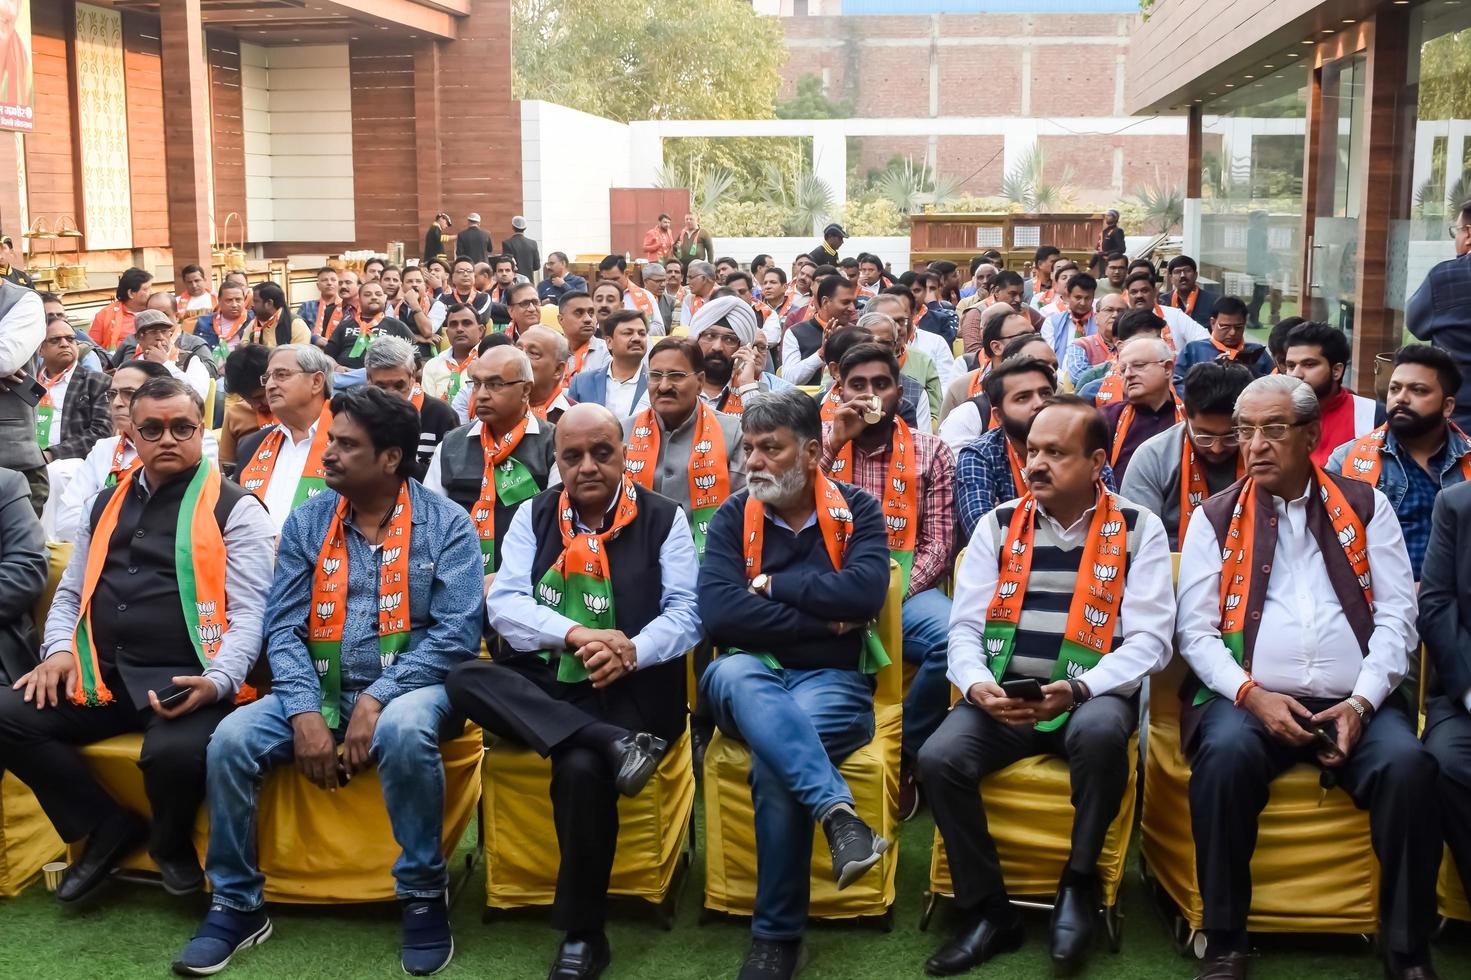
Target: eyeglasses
(1456, 230)
(497, 385)
(1212, 442)
(63, 339)
(1272, 432)
(528, 303)
(672, 377)
(280, 375)
(124, 395)
(178, 428)
(1137, 367)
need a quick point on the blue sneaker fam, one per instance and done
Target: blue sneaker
(223, 933)
(427, 944)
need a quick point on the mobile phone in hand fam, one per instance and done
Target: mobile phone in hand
(173, 696)
(29, 390)
(1324, 740)
(1024, 688)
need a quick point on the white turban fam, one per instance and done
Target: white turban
(736, 313)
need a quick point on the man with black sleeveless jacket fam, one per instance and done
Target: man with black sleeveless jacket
(160, 612)
(594, 597)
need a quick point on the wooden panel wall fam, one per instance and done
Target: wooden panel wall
(147, 171)
(384, 159)
(50, 165)
(480, 124)
(228, 128)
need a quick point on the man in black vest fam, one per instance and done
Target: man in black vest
(391, 366)
(1298, 577)
(500, 388)
(601, 691)
(801, 351)
(349, 342)
(143, 640)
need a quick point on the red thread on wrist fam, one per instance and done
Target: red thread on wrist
(1244, 690)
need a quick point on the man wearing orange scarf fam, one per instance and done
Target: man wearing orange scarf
(166, 589)
(1066, 591)
(282, 464)
(1307, 624)
(1149, 406)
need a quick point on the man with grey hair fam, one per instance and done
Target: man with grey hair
(699, 282)
(891, 328)
(1297, 642)
(548, 352)
(282, 464)
(1149, 406)
(390, 364)
(927, 342)
(796, 567)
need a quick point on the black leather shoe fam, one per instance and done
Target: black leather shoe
(113, 839)
(1423, 971)
(974, 945)
(638, 756)
(1223, 966)
(581, 959)
(1073, 916)
(181, 874)
(771, 960)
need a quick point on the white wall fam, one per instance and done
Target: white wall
(569, 160)
(298, 143)
(893, 250)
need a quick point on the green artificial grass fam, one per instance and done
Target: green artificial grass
(134, 931)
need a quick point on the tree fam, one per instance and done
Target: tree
(809, 102)
(647, 59)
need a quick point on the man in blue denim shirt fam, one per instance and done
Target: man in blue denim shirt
(1419, 451)
(391, 709)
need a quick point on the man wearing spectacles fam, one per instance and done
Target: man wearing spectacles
(1227, 342)
(1440, 310)
(73, 414)
(282, 463)
(118, 636)
(725, 329)
(1297, 617)
(1149, 405)
(1174, 472)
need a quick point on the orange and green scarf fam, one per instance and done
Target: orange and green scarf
(1364, 462)
(579, 584)
(709, 470)
(199, 564)
(1193, 488)
(900, 495)
(506, 479)
(328, 613)
(1093, 615)
(256, 477)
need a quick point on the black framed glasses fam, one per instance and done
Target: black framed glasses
(178, 428)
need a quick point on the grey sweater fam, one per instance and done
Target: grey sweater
(1153, 479)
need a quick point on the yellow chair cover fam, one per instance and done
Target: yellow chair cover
(521, 853)
(314, 846)
(1030, 814)
(1313, 869)
(872, 773)
(1450, 891)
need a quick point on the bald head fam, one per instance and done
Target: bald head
(589, 450)
(506, 362)
(589, 417)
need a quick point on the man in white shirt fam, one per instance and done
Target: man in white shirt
(158, 341)
(283, 464)
(444, 374)
(1143, 293)
(1311, 632)
(941, 354)
(620, 385)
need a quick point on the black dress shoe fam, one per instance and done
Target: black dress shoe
(637, 757)
(581, 959)
(113, 839)
(768, 959)
(181, 873)
(1423, 971)
(974, 945)
(1224, 966)
(1073, 917)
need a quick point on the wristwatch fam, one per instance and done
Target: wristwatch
(762, 583)
(1360, 709)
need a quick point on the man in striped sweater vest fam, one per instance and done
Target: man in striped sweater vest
(1062, 605)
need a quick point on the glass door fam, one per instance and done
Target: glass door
(1340, 166)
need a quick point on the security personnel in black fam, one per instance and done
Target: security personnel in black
(594, 677)
(119, 636)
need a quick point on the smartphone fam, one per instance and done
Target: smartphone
(173, 696)
(1025, 688)
(30, 391)
(1323, 739)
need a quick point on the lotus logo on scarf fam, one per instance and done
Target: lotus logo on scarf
(330, 565)
(596, 604)
(1225, 554)
(704, 446)
(210, 635)
(1363, 465)
(1365, 580)
(994, 646)
(206, 609)
(508, 466)
(397, 510)
(1110, 528)
(265, 454)
(1195, 498)
(704, 527)
(390, 555)
(705, 481)
(567, 514)
(312, 492)
(387, 659)
(390, 602)
(254, 485)
(643, 432)
(1075, 670)
(841, 514)
(1006, 590)
(1018, 546)
(630, 493)
(839, 465)
(1105, 573)
(325, 610)
(1233, 601)
(1323, 494)
(481, 513)
(634, 465)
(896, 523)
(548, 595)
(899, 485)
(1094, 616)
(1348, 536)
(321, 667)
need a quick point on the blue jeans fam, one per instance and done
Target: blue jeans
(927, 643)
(796, 723)
(405, 749)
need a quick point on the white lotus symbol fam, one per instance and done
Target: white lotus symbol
(1364, 580)
(508, 465)
(1105, 573)
(321, 666)
(1232, 601)
(313, 491)
(841, 514)
(592, 545)
(481, 514)
(703, 446)
(254, 485)
(1094, 615)
(548, 595)
(1110, 528)
(387, 659)
(1196, 497)
(895, 523)
(1018, 546)
(325, 610)
(265, 454)
(397, 510)
(1075, 670)
(1348, 536)
(390, 555)
(1363, 465)
(331, 565)
(1006, 590)
(994, 646)
(390, 602)
(630, 492)
(206, 609)
(1225, 554)
(705, 481)
(567, 514)
(596, 604)
(899, 485)
(643, 432)
(634, 465)
(210, 634)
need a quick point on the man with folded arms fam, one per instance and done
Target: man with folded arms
(1174, 472)
(166, 589)
(500, 460)
(357, 674)
(282, 465)
(796, 567)
(1315, 569)
(594, 600)
(1082, 632)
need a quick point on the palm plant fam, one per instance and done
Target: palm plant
(1027, 185)
(1163, 205)
(708, 186)
(805, 200)
(910, 188)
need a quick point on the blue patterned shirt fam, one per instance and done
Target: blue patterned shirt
(446, 584)
(983, 479)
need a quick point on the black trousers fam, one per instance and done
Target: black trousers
(970, 744)
(41, 749)
(1389, 773)
(1448, 738)
(520, 699)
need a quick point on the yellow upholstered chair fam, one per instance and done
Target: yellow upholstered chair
(27, 839)
(1450, 892)
(314, 846)
(521, 854)
(872, 773)
(1313, 869)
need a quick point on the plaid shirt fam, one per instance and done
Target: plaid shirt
(983, 479)
(936, 532)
